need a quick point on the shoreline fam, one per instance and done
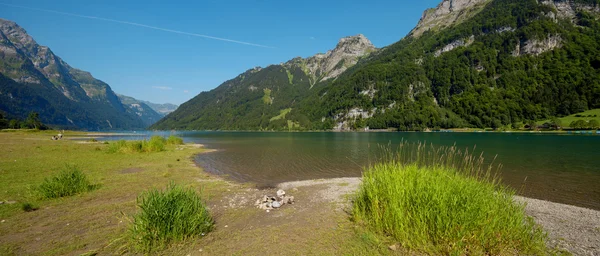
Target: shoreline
(572, 228)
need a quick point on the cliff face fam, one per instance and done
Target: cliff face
(448, 13)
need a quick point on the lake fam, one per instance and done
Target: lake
(559, 168)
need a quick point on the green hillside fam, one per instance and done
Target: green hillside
(512, 61)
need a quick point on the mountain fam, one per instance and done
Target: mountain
(146, 113)
(262, 97)
(33, 78)
(162, 109)
(468, 63)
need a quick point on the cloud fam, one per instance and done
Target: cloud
(312, 38)
(185, 91)
(164, 88)
(138, 25)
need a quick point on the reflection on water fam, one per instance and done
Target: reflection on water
(559, 168)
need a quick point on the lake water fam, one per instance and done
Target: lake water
(559, 168)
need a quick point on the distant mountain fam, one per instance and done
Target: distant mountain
(148, 115)
(262, 97)
(163, 109)
(468, 63)
(33, 78)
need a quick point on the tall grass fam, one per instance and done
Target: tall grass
(174, 140)
(155, 144)
(167, 216)
(68, 182)
(441, 200)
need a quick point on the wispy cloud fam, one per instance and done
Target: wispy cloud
(312, 38)
(185, 91)
(137, 24)
(164, 88)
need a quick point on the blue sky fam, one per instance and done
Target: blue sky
(162, 66)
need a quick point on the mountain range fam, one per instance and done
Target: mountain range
(467, 63)
(33, 78)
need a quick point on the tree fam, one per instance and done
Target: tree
(579, 124)
(33, 120)
(593, 124)
(556, 123)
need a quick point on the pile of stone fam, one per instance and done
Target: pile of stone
(273, 202)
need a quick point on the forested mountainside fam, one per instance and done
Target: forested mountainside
(33, 78)
(468, 63)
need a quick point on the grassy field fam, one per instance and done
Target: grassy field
(96, 220)
(586, 116)
(100, 221)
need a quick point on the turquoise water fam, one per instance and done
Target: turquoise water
(559, 168)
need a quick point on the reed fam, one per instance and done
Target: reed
(441, 200)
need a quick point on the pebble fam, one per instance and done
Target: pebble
(2, 221)
(276, 204)
(226, 226)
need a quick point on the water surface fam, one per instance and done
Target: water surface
(559, 168)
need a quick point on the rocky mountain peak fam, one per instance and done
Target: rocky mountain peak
(347, 52)
(447, 13)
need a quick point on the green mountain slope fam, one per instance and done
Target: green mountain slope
(493, 64)
(252, 99)
(35, 79)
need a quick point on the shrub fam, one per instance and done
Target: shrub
(168, 216)
(68, 182)
(174, 140)
(444, 201)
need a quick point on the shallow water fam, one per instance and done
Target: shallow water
(559, 168)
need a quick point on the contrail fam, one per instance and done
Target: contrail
(138, 25)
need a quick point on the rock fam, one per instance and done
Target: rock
(280, 193)
(267, 210)
(276, 204)
(393, 247)
(258, 202)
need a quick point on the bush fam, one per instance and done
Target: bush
(444, 201)
(174, 140)
(68, 182)
(168, 216)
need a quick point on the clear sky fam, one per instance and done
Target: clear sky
(176, 63)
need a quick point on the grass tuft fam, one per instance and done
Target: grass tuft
(29, 207)
(68, 182)
(444, 201)
(169, 216)
(155, 144)
(174, 140)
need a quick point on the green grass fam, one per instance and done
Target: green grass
(444, 201)
(174, 140)
(155, 144)
(29, 207)
(282, 114)
(167, 216)
(70, 181)
(586, 116)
